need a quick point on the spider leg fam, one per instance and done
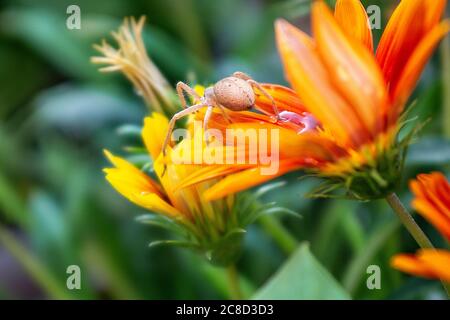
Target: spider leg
(224, 113)
(181, 89)
(208, 114)
(185, 112)
(253, 83)
(242, 75)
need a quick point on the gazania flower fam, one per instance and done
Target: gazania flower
(212, 227)
(342, 118)
(132, 60)
(432, 201)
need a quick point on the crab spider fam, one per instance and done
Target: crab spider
(235, 93)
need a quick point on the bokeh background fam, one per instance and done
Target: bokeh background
(57, 113)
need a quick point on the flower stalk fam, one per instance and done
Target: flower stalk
(233, 279)
(279, 234)
(409, 222)
(413, 228)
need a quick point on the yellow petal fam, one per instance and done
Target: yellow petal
(132, 174)
(154, 133)
(352, 17)
(245, 179)
(208, 173)
(138, 187)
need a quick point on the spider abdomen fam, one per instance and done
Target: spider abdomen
(234, 94)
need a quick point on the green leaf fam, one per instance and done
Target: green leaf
(302, 277)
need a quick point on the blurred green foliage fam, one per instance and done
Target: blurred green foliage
(57, 113)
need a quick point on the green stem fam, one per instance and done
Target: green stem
(445, 53)
(279, 233)
(233, 279)
(409, 222)
(412, 227)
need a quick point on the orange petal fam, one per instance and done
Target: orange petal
(308, 76)
(432, 200)
(411, 264)
(415, 65)
(410, 22)
(245, 179)
(437, 191)
(285, 99)
(438, 262)
(434, 216)
(353, 69)
(307, 150)
(352, 17)
(310, 149)
(208, 173)
(288, 143)
(257, 140)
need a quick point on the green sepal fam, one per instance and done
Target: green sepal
(228, 249)
(374, 180)
(161, 222)
(174, 243)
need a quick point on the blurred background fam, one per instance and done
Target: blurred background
(57, 113)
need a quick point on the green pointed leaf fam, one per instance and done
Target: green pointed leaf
(174, 243)
(281, 211)
(161, 222)
(269, 187)
(302, 277)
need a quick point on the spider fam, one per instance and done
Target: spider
(235, 93)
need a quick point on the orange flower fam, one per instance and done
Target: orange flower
(342, 119)
(432, 201)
